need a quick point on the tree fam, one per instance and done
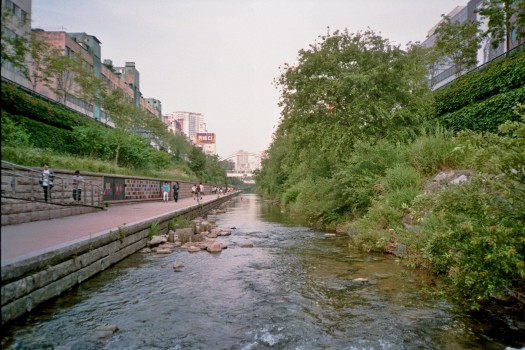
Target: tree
(458, 42)
(343, 89)
(39, 57)
(504, 17)
(227, 165)
(64, 70)
(126, 117)
(197, 160)
(89, 88)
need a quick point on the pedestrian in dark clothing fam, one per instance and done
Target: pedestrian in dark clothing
(176, 191)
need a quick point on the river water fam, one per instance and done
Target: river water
(294, 289)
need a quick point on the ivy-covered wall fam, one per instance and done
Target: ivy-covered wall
(48, 124)
(484, 99)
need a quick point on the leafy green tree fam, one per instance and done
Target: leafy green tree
(458, 42)
(504, 17)
(344, 88)
(127, 118)
(214, 171)
(64, 70)
(227, 165)
(197, 160)
(89, 88)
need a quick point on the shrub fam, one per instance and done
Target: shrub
(154, 229)
(357, 177)
(476, 231)
(477, 241)
(12, 133)
(179, 222)
(430, 153)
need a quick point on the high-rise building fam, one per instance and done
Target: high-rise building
(191, 124)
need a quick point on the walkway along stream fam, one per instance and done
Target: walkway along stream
(296, 288)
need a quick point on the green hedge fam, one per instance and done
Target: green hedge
(498, 77)
(18, 102)
(43, 135)
(486, 115)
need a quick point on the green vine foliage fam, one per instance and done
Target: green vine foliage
(17, 102)
(498, 77)
(486, 115)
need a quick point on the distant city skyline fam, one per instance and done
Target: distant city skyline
(220, 57)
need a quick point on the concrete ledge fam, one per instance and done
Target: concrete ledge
(28, 281)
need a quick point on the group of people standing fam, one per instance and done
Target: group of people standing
(47, 178)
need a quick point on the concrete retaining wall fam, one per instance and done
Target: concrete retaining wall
(28, 283)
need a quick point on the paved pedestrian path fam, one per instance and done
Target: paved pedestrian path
(33, 238)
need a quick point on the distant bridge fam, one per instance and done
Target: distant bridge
(240, 175)
(241, 154)
(247, 178)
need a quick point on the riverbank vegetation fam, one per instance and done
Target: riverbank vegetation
(362, 137)
(36, 131)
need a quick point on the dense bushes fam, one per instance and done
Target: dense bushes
(328, 165)
(476, 231)
(484, 99)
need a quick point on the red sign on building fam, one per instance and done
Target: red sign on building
(205, 138)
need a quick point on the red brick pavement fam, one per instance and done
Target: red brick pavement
(33, 238)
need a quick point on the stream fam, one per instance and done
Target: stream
(295, 289)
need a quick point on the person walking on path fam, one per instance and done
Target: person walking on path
(193, 191)
(198, 193)
(166, 191)
(176, 191)
(77, 186)
(201, 190)
(47, 176)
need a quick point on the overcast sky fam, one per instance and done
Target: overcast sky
(220, 57)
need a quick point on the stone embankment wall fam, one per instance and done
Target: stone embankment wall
(23, 197)
(30, 282)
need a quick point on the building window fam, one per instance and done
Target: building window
(16, 11)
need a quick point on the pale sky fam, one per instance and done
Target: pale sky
(220, 57)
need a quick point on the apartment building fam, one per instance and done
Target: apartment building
(85, 46)
(444, 72)
(192, 125)
(16, 22)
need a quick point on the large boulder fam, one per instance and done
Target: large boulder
(156, 240)
(215, 247)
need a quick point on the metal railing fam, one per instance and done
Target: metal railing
(21, 182)
(451, 70)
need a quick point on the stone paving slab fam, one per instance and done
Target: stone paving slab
(31, 238)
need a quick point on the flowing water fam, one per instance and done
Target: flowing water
(294, 289)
